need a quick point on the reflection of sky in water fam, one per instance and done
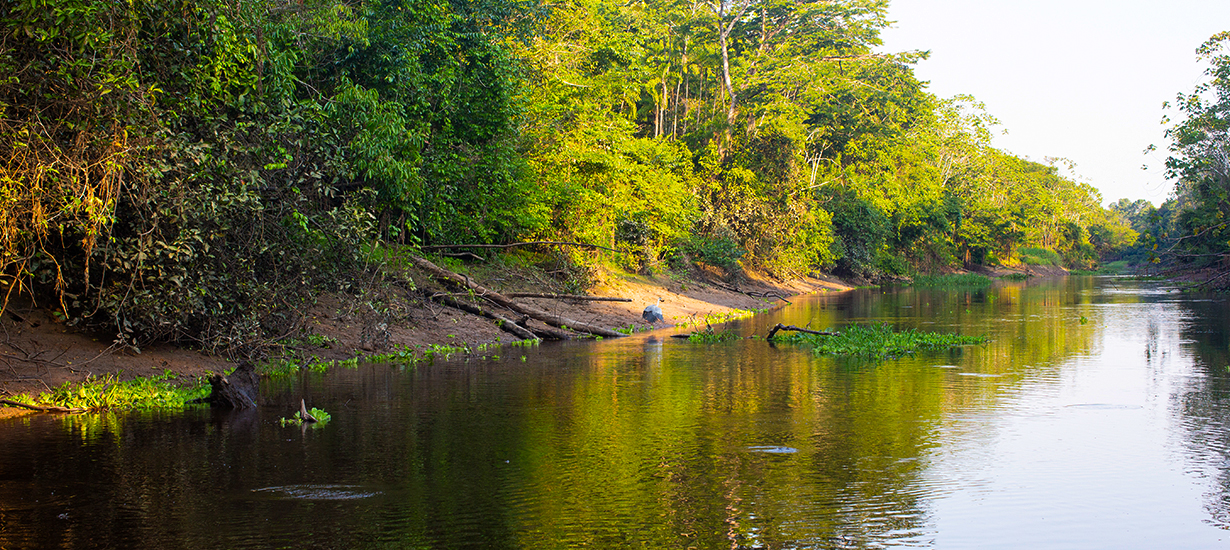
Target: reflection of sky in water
(1093, 452)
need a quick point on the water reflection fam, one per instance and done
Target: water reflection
(1097, 401)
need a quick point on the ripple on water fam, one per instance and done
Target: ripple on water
(317, 492)
(773, 449)
(1103, 406)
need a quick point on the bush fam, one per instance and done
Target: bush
(1039, 256)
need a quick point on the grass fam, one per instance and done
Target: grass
(108, 392)
(719, 318)
(1040, 256)
(964, 280)
(880, 341)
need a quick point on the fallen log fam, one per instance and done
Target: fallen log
(41, 408)
(779, 326)
(545, 332)
(580, 297)
(754, 294)
(449, 277)
(512, 245)
(505, 324)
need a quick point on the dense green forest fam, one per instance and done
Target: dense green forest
(194, 171)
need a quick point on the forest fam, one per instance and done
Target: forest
(196, 171)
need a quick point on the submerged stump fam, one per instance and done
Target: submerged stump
(239, 390)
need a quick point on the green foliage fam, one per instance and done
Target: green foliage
(879, 341)
(715, 251)
(198, 171)
(110, 393)
(1040, 256)
(1194, 224)
(861, 231)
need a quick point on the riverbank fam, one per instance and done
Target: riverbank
(40, 352)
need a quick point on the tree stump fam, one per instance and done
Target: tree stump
(239, 390)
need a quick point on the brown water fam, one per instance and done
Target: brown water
(1111, 432)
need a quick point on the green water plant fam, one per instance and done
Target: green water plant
(880, 341)
(1015, 277)
(297, 419)
(710, 336)
(961, 280)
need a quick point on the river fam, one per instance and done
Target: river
(1096, 417)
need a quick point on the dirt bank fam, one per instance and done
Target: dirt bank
(38, 352)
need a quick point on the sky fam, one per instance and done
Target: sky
(1079, 79)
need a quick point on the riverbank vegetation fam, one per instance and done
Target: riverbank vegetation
(197, 172)
(1188, 236)
(104, 393)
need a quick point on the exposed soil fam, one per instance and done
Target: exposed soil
(38, 352)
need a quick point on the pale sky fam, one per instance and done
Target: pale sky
(1080, 79)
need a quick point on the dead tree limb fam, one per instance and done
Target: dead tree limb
(304, 415)
(40, 408)
(505, 324)
(754, 294)
(579, 297)
(448, 277)
(780, 326)
(512, 245)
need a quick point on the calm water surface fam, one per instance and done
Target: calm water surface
(1097, 417)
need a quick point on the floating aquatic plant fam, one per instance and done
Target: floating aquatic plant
(962, 280)
(880, 341)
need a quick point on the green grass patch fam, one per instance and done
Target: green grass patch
(1015, 277)
(1040, 256)
(880, 341)
(718, 318)
(963, 280)
(102, 393)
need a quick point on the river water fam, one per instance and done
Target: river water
(1096, 417)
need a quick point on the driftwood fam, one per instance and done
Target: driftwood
(545, 332)
(304, 415)
(505, 324)
(780, 326)
(237, 391)
(512, 245)
(754, 294)
(579, 297)
(41, 408)
(449, 277)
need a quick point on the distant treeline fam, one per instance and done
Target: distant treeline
(195, 171)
